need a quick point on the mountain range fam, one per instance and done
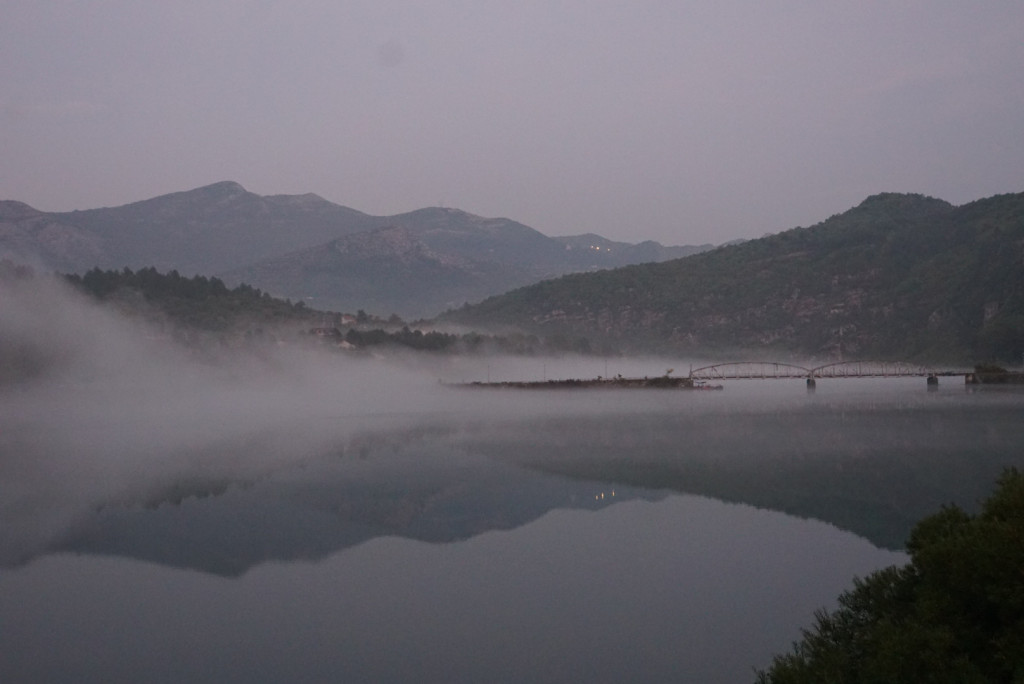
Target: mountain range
(307, 248)
(900, 276)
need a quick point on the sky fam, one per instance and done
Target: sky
(678, 121)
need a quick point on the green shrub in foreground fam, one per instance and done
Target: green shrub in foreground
(955, 613)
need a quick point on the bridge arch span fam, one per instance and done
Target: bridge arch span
(738, 370)
(871, 369)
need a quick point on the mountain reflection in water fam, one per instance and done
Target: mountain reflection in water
(423, 493)
(682, 589)
(870, 468)
(463, 548)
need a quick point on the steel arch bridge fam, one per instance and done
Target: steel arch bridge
(743, 370)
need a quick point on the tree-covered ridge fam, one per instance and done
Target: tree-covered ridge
(899, 276)
(199, 309)
(955, 613)
(198, 302)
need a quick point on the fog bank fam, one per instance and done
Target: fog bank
(95, 409)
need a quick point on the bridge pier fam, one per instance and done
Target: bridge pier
(811, 385)
(933, 383)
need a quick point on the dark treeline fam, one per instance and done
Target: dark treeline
(201, 304)
(468, 343)
(100, 283)
(197, 302)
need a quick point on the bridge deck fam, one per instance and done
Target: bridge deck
(764, 370)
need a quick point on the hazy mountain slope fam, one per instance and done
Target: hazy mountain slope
(598, 252)
(896, 276)
(287, 245)
(424, 262)
(37, 237)
(387, 270)
(213, 228)
(458, 233)
(505, 241)
(427, 261)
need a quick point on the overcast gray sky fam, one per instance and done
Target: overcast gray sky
(678, 121)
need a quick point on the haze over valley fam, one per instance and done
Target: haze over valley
(172, 461)
(511, 342)
(160, 425)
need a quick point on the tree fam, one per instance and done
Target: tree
(955, 613)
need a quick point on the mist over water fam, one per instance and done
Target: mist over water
(108, 411)
(370, 509)
(98, 410)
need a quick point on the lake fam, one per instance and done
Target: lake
(462, 536)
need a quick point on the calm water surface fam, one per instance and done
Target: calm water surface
(584, 537)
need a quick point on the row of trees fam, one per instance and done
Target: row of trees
(468, 343)
(196, 302)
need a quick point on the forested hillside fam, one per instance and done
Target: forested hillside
(899, 276)
(204, 312)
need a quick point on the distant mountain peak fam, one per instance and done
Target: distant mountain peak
(439, 215)
(902, 201)
(12, 210)
(224, 188)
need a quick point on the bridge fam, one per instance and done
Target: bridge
(744, 370)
